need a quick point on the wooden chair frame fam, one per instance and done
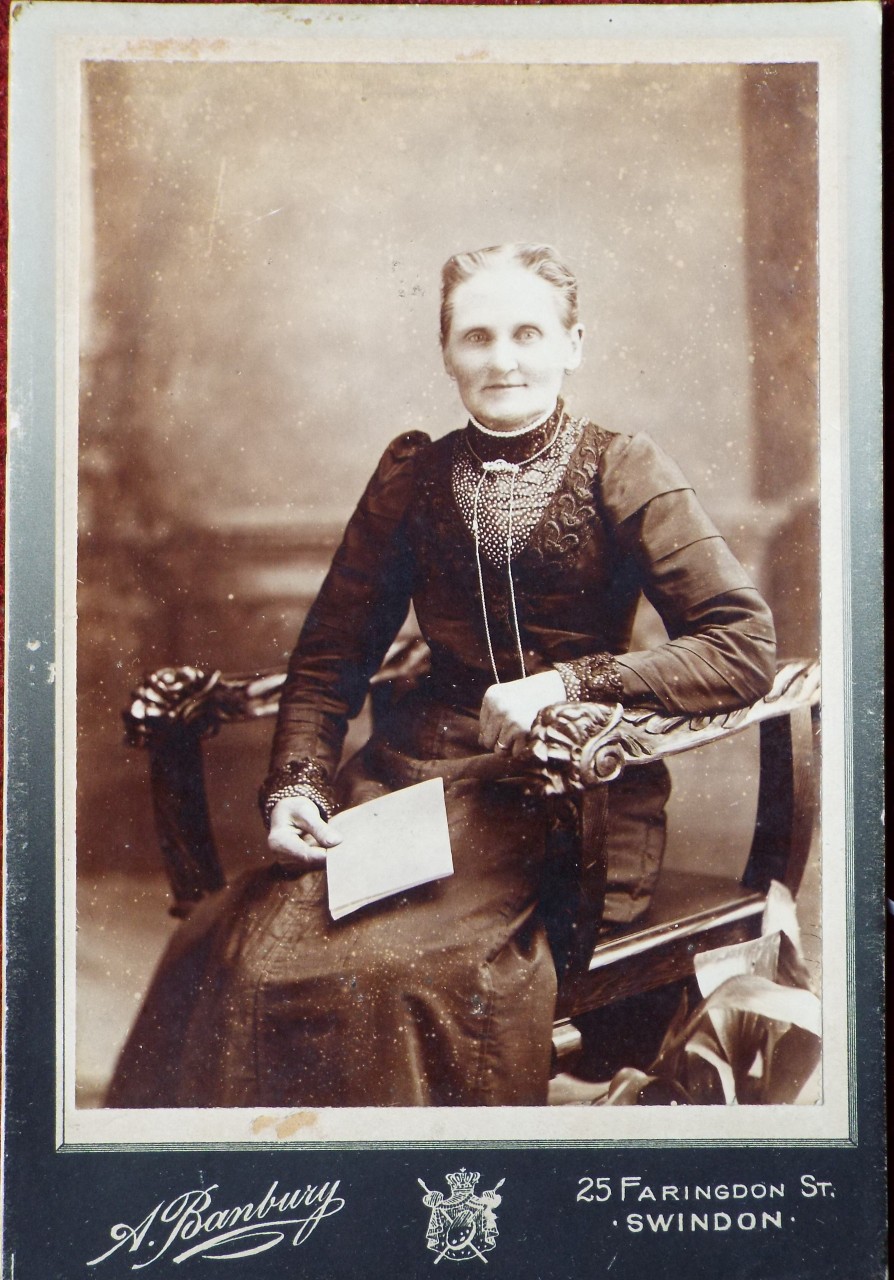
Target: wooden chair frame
(574, 750)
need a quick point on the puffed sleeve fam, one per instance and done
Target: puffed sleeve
(721, 650)
(361, 606)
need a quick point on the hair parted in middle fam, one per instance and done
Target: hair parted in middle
(542, 259)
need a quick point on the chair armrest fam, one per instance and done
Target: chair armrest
(185, 698)
(577, 745)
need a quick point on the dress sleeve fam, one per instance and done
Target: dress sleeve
(361, 606)
(721, 650)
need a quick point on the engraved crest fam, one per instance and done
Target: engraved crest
(462, 1225)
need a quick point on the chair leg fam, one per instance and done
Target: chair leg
(786, 802)
(768, 859)
(182, 819)
(805, 804)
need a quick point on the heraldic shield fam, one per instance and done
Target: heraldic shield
(462, 1225)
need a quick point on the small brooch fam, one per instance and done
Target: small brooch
(500, 464)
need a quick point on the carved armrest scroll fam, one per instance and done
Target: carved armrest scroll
(185, 698)
(575, 746)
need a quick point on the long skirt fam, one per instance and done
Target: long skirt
(442, 996)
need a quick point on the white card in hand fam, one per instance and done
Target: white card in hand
(389, 845)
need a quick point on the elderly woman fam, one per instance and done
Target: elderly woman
(523, 541)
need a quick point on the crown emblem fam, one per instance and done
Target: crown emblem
(462, 1181)
(463, 1225)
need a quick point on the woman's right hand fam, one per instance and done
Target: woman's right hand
(299, 832)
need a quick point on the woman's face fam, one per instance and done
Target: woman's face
(508, 348)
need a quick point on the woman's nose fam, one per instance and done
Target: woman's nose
(503, 355)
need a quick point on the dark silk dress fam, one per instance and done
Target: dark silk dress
(444, 995)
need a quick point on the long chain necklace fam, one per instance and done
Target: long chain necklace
(512, 469)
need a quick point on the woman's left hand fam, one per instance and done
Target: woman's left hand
(509, 710)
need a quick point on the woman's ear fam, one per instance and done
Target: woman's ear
(448, 367)
(576, 342)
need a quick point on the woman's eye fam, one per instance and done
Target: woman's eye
(528, 334)
(476, 336)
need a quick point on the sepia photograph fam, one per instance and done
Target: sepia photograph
(458, 456)
(554, 314)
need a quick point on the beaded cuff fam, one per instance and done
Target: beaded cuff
(297, 778)
(596, 678)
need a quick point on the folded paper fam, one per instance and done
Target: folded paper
(390, 844)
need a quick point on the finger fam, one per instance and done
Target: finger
(519, 745)
(319, 831)
(490, 719)
(287, 843)
(298, 813)
(506, 739)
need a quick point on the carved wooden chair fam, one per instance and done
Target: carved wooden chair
(575, 750)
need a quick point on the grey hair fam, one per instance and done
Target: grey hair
(542, 259)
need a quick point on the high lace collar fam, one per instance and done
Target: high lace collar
(490, 445)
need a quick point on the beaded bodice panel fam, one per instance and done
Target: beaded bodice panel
(561, 519)
(510, 497)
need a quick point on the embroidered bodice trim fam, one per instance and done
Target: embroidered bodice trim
(522, 490)
(558, 523)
